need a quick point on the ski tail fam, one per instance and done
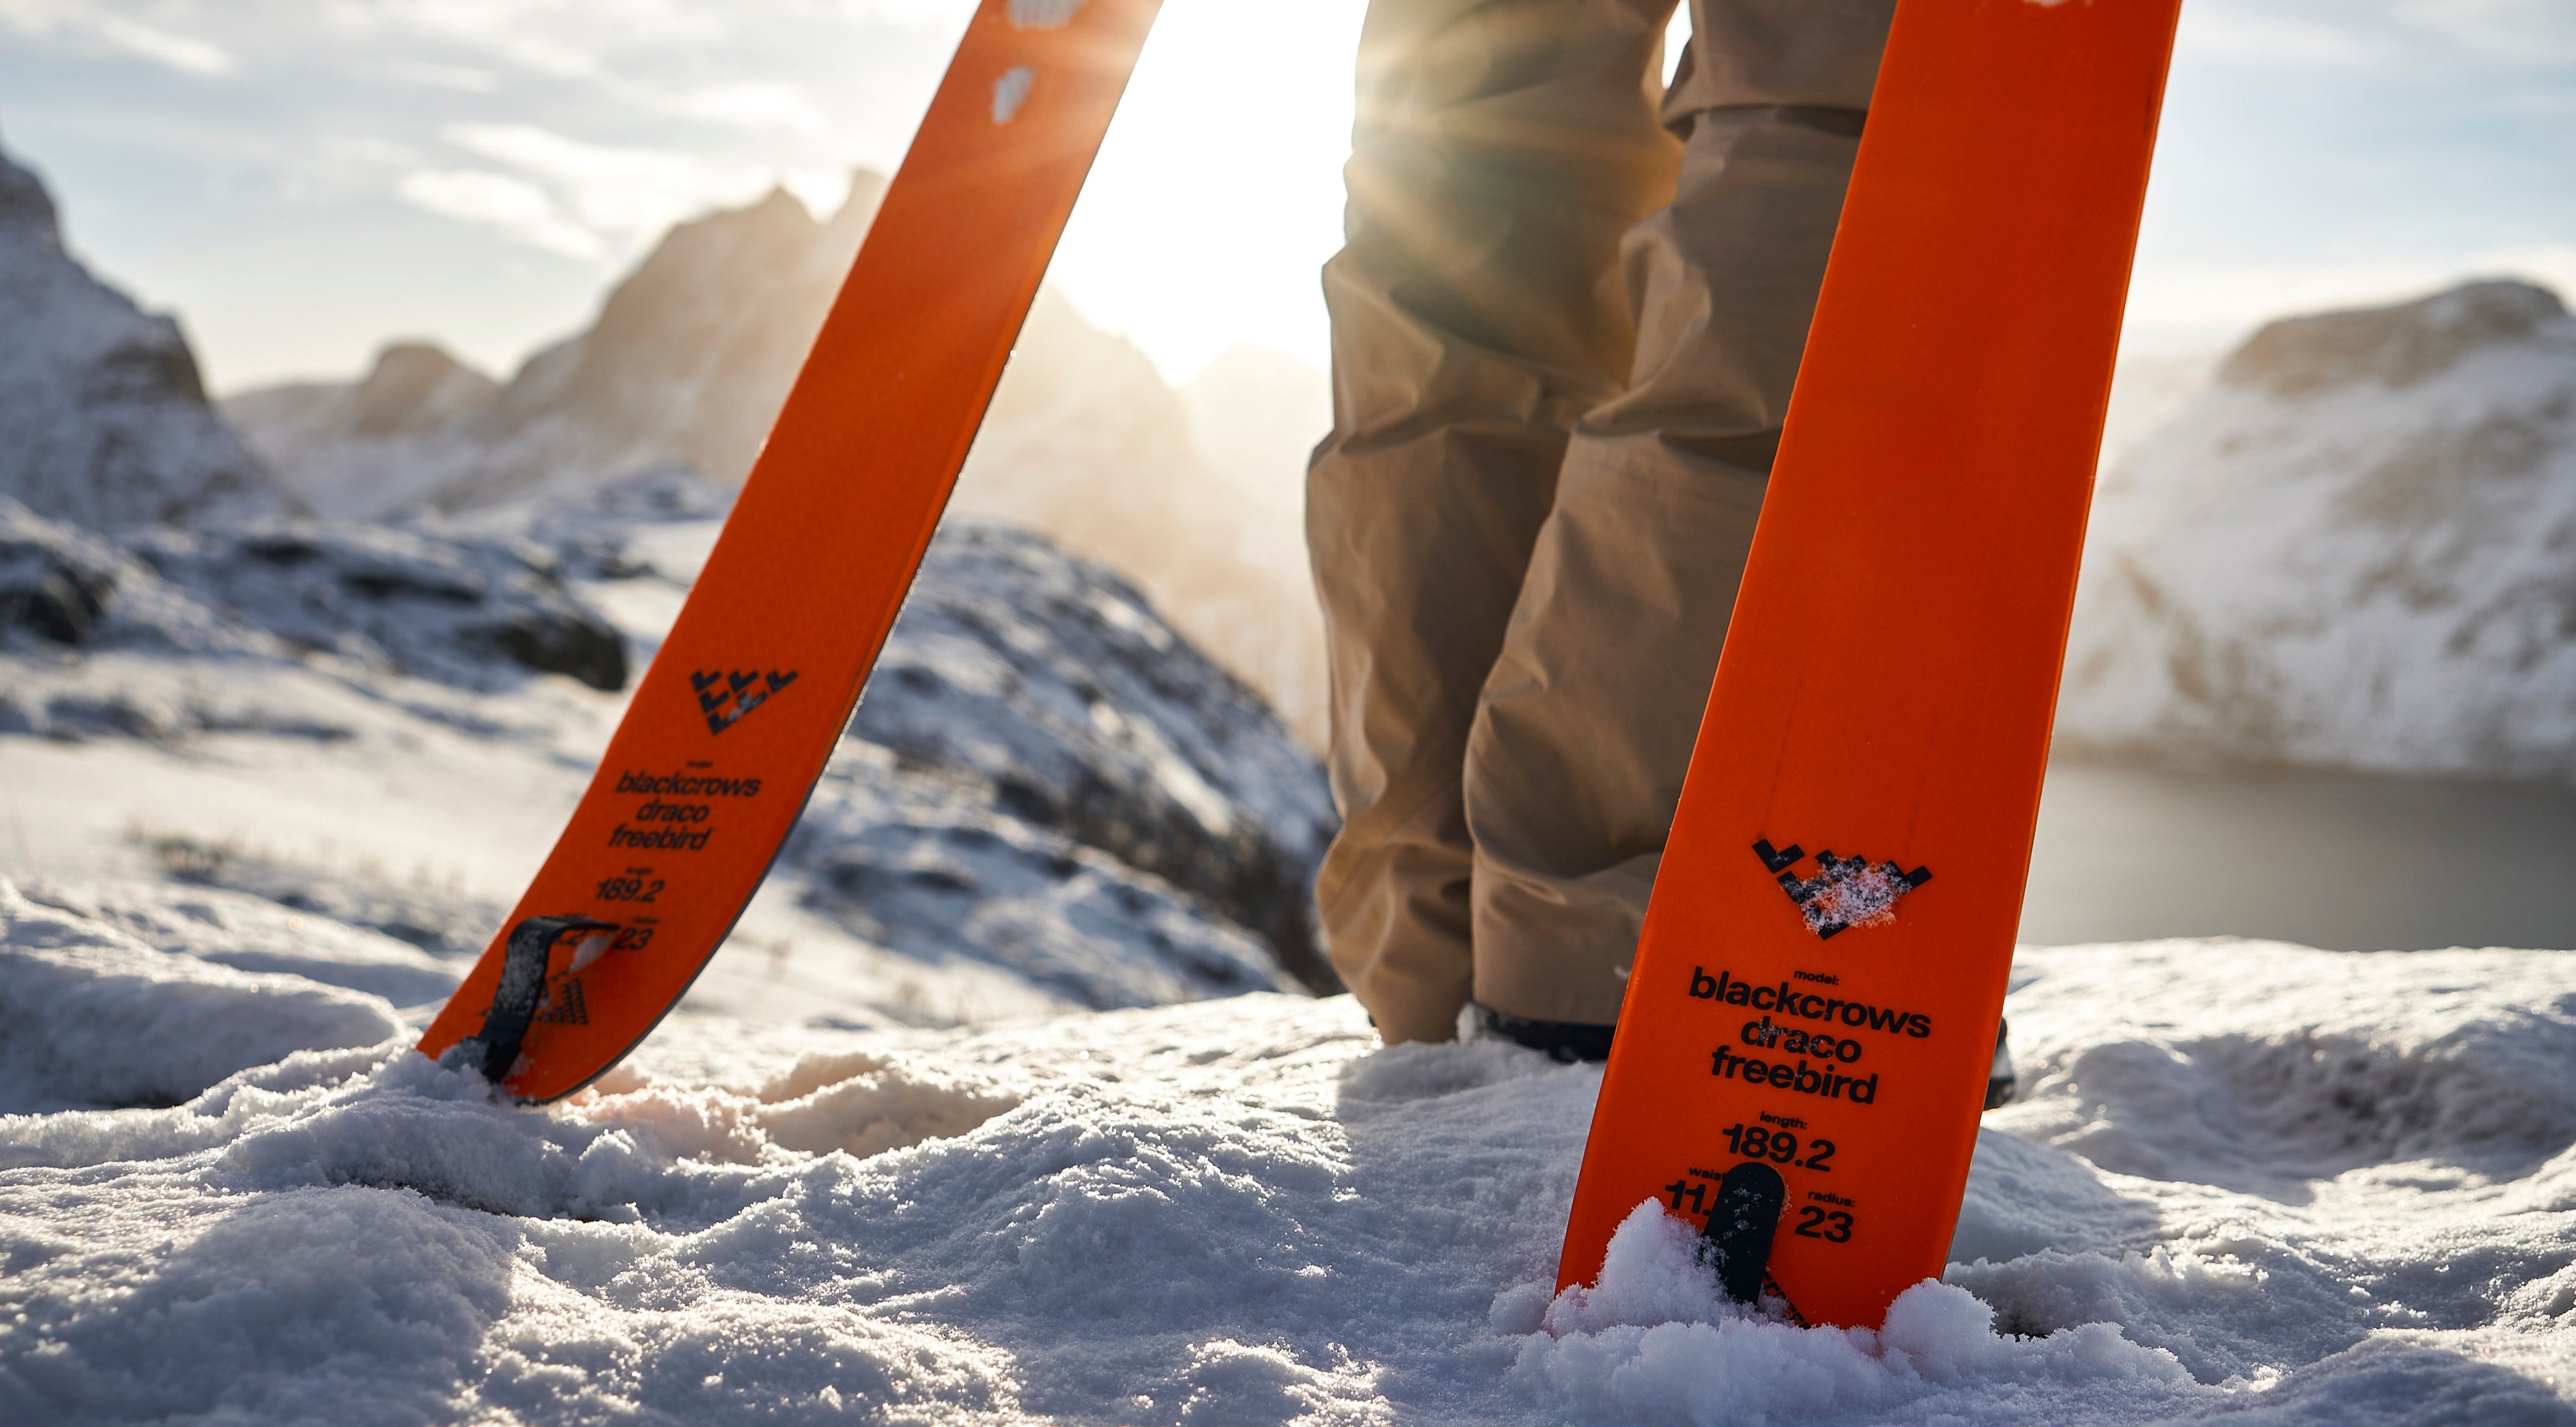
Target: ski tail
(745, 700)
(1888, 679)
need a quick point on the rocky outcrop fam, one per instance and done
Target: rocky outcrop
(473, 612)
(2356, 548)
(1057, 686)
(107, 422)
(470, 611)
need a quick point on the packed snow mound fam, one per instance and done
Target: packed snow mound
(2349, 550)
(255, 934)
(1247, 1211)
(92, 1016)
(108, 425)
(1059, 684)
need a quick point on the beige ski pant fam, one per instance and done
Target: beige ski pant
(1565, 323)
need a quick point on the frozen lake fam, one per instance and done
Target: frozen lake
(2337, 860)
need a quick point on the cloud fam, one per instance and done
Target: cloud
(611, 189)
(455, 78)
(2380, 34)
(758, 105)
(163, 47)
(515, 206)
(2519, 32)
(88, 27)
(2249, 36)
(2237, 296)
(562, 39)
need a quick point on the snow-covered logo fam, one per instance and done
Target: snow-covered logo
(724, 696)
(1846, 892)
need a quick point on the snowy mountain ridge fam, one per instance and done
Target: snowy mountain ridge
(2356, 547)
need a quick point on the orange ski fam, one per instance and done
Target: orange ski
(743, 704)
(1813, 1006)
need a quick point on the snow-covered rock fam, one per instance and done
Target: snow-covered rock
(1056, 684)
(934, 867)
(64, 590)
(106, 422)
(78, 612)
(2357, 547)
(2343, 1193)
(464, 610)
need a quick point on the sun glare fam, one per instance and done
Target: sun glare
(1219, 191)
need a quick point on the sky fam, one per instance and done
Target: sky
(304, 179)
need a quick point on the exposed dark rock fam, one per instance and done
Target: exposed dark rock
(584, 648)
(48, 589)
(415, 385)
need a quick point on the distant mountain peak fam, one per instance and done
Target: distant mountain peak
(26, 210)
(106, 416)
(415, 385)
(2397, 346)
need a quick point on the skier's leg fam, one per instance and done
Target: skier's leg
(1501, 149)
(1576, 758)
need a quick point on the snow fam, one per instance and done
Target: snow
(2247, 1181)
(1011, 91)
(1043, 14)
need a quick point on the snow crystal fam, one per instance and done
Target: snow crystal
(1043, 14)
(1011, 91)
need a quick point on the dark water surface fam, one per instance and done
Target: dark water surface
(2344, 861)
